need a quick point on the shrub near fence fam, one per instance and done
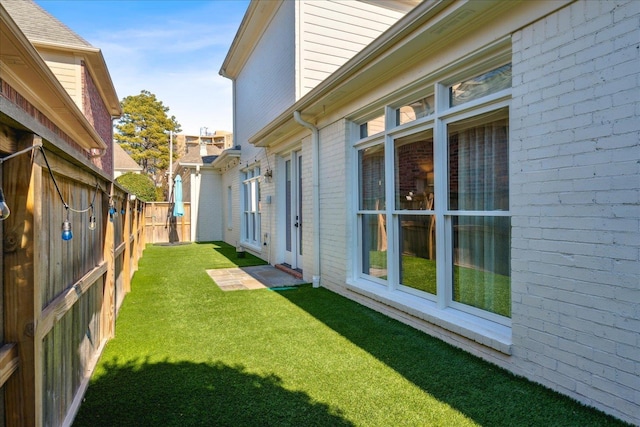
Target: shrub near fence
(60, 296)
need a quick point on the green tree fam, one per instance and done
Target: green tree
(140, 185)
(143, 131)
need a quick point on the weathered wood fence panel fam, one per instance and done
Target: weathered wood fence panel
(60, 297)
(162, 227)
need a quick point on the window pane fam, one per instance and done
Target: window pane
(483, 85)
(418, 252)
(481, 257)
(372, 127)
(479, 163)
(374, 245)
(414, 171)
(371, 164)
(415, 110)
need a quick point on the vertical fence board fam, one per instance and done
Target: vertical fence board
(59, 296)
(20, 181)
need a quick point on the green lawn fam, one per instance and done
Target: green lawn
(186, 353)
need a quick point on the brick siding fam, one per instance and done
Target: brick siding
(574, 198)
(97, 114)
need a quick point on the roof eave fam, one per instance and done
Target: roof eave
(97, 66)
(22, 66)
(254, 22)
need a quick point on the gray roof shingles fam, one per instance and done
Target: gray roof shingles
(39, 26)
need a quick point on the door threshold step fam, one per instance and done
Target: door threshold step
(295, 272)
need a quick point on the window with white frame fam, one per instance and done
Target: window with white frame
(433, 194)
(251, 208)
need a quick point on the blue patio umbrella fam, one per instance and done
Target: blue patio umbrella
(178, 206)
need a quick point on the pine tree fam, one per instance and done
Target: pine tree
(143, 132)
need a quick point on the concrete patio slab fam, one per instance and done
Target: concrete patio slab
(249, 278)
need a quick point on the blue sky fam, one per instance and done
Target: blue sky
(173, 49)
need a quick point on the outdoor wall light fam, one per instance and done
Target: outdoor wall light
(132, 197)
(66, 230)
(4, 209)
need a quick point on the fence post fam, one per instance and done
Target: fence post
(108, 293)
(126, 236)
(23, 189)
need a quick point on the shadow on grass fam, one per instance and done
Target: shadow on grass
(230, 253)
(485, 393)
(189, 394)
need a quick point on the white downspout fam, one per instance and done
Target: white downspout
(315, 173)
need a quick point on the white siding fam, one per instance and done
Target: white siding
(332, 32)
(265, 86)
(68, 71)
(575, 194)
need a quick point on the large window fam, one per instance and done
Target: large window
(251, 201)
(443, 158)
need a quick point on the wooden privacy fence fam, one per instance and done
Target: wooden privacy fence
(162, 227)
(61, 297)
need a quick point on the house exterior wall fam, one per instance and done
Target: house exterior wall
(574, 197)
(574, 169)
(575, 194)
(334, 206)
(265, 86)
(332, 32)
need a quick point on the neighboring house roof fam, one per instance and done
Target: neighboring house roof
(122, 161)
(39, 26)
(25, 71)
(45, 32)
(194, 156)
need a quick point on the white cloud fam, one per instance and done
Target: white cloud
(179, 63)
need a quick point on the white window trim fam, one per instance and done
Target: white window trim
(479, 325)
(254, 170)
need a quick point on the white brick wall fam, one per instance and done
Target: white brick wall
(575, 200)
(333, 204)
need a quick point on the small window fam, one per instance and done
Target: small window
(415, 110)
(479, 86)
(372, 127)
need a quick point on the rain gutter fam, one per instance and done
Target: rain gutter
(315, 172)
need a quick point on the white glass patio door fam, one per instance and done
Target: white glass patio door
(294, 220)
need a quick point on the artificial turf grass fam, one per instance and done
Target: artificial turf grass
(186, 353)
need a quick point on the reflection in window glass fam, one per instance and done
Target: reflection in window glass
(479, 163)
(374, 245)
(418, 252)
(414, 172)
(371, 178)
(415, 110)
(481, 258)
(479, 86)
(372, 127)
